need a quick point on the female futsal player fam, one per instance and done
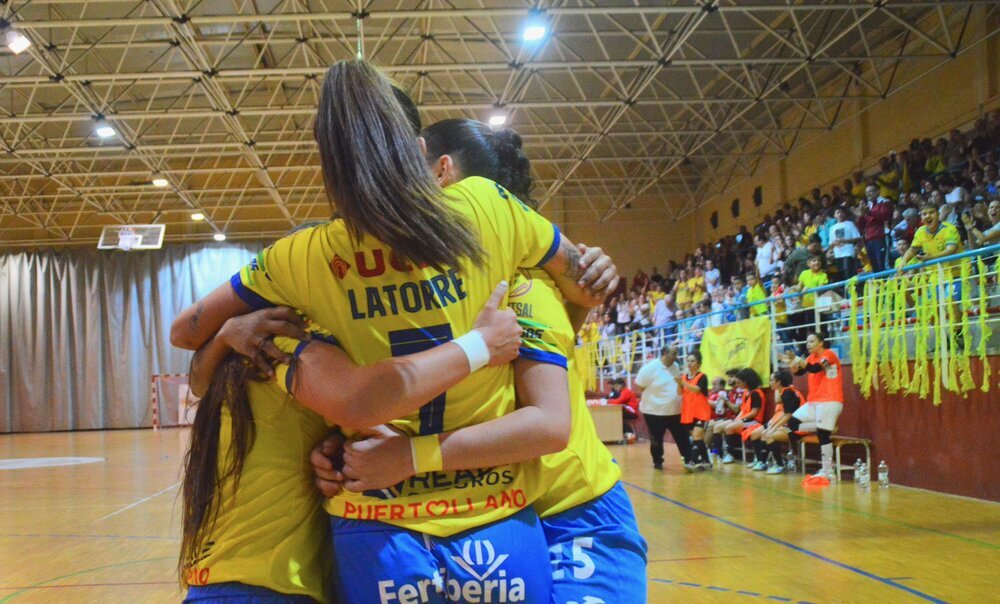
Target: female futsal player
(787, 400)
(253, 526)
(751, 409)
(824, 401)
(695, 409)
(400, 273)
(777, 430)
(594, 542)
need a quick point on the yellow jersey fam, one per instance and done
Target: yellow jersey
(757, 293)
(590, 332)
(682, 295)
(696, 287)
(584, 470)
(933, 245)
(810, 280)
(271, 530)
(807, 233)
(378, 306)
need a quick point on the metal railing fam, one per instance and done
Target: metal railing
(962, 295)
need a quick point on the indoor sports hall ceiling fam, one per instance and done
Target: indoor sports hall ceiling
(659, 103)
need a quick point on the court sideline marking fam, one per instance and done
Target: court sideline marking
(140, 502)
(750, 594)
(842, 508)
(10, 597)
(790, 545)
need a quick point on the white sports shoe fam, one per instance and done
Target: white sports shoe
(727, 458)
(759, 466)
(776, 469)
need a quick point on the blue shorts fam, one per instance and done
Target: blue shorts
(233, 593)
(597, 553)
(377, 563)
(950, 289)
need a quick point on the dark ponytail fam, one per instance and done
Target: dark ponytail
(202, 480)
(515, 169)
(478, 150)
(376, 176)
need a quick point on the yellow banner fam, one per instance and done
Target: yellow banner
(737, 345)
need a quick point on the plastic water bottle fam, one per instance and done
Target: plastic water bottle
(790, 464)
(883, 475)
(857, 472)
(866, 482)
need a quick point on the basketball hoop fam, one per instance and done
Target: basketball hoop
(128, 239)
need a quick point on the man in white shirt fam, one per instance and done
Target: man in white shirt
(713, 278)
(661, 405)
(767, 264)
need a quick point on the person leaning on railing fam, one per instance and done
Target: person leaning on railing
(935, 239)
(981, 238)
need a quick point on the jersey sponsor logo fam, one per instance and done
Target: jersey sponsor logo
(532, 333)
(439, 291)
(522, 289)
(438, 481)
(488, 583)
(372, 264)
(513, 499)
(523, 310)
(339, 266)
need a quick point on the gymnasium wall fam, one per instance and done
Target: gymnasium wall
(950, 448)
(82, 331)
(950, 96)
(635, 237)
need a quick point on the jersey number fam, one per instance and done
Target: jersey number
(410, 341)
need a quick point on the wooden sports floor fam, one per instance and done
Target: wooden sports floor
(108, 531)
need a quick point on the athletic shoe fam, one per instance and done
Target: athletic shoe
(750, 464)
(705, 466)
(776, 469)
(689, 468)
(657, 466)
(727, 458)
(759, 466)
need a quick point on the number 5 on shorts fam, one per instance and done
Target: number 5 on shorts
(583, 564)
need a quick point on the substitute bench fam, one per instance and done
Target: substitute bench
(839, 442)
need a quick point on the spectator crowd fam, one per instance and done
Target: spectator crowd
(932, 199)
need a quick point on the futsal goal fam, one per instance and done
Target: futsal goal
(171, 401)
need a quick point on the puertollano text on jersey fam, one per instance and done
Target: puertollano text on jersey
(438, 291)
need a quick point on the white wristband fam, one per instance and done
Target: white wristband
(475, 350)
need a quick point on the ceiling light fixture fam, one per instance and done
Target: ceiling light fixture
(498, 119)
(219, 236)
(17, 42)
(103, 130)
(160, 182)
(534, 32)
(197, 217)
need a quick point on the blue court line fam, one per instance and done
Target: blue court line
(792, 546)
(751, 594)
